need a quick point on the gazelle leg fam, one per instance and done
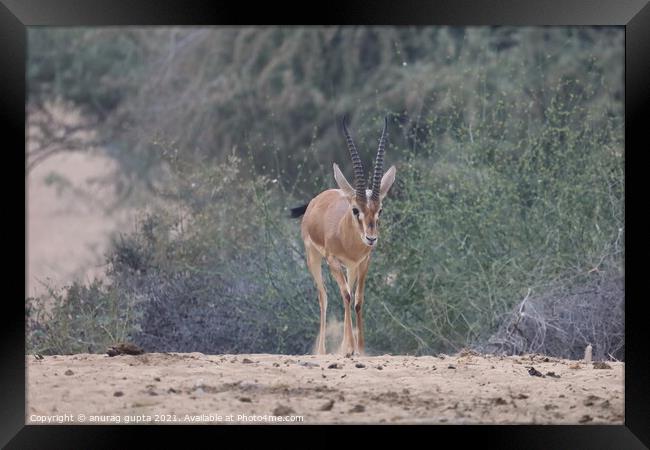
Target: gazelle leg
(352, 280)
(314, 264)
(347, 346)
(358, 304)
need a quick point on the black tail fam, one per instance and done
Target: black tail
(298, 211)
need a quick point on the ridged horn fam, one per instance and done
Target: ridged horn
(359, 179)
(379, 163)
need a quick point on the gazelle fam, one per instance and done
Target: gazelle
(342, 226)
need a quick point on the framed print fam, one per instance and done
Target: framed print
(376, 215)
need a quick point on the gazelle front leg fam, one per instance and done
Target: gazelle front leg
(358, 303)
(347, 346)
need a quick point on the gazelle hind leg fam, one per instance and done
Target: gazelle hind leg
(314, 259)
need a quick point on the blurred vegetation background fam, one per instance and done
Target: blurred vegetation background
(504, 231)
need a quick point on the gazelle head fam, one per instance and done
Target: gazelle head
(365, 204)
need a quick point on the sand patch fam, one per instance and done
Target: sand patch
(198, 388)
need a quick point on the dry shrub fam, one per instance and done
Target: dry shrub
(564, 319)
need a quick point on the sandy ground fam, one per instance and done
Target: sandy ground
(258, 388)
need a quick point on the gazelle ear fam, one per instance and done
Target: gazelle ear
(386, 182)
(342, 182)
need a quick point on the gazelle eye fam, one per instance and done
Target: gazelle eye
(379, 213)
(355, 211)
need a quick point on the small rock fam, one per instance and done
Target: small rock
(552, 375)
(327, 406)
(334, 366)
(602, 365)
(359, 365)
(245, 399)
(380, 368)
(309, 364)
(574, 366)
(68, 372)
(589, 401)
(124, 348)
(248, 385)
(586, 418)
(282, 410)
(246, 361)
(534, 372)
(156, 378)
(522, 396)
(358, 408)
(450, 366)
(118, 394)
(499, 401)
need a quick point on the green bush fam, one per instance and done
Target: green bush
(79, 319)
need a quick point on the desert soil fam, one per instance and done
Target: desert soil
(184, 388)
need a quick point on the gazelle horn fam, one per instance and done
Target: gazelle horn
(379, 163)
(359, 181)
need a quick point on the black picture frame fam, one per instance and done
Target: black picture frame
(16, 15)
